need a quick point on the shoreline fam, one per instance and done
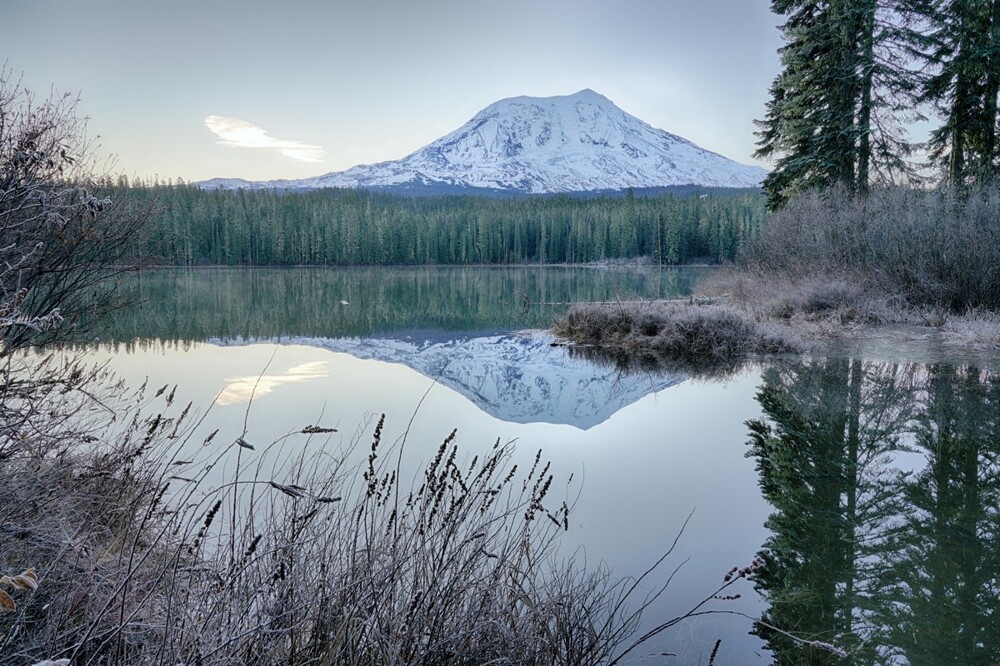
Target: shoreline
(724, 329)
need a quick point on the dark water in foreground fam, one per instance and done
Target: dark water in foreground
(870, 485)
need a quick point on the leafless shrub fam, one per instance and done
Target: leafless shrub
(841, 299)
(825, 297)
(62, 242)
(926, 247)
(62, 246)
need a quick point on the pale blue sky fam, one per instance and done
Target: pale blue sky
(337, 83)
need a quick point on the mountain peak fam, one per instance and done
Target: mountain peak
(585, 95)
(570, 143)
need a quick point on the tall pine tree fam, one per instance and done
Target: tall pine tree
(836, 107)
(964, 60)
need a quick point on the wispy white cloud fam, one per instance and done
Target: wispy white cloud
(241, 134)
(240, 390)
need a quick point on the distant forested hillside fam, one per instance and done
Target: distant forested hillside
(349, 227)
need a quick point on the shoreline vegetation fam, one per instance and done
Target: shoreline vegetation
(827, 266)
(287, 560)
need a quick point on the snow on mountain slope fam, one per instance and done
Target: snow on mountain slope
(514, 378)
(572, 143)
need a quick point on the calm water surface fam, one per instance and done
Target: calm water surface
(869, 481)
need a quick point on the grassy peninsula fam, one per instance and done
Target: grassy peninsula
(830, 265)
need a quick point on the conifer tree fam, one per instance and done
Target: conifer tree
(964, 60)
(803, 124)
(836, 107)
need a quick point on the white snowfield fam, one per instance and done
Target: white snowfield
(537, 145)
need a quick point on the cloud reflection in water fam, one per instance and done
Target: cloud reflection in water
(240, 390)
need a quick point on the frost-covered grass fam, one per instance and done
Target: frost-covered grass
(696, 332)
(841, 300)
(918, 248)
(151, 548)
(976, 329)
(141, 560)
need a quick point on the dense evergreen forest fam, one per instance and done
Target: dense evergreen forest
(191, 226)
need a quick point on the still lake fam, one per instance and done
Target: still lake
(872, 486)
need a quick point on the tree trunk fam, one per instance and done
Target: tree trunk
(866, 74)
(991, 93)
(963, 106)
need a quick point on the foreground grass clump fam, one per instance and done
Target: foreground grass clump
(151, 548)
(708, 332)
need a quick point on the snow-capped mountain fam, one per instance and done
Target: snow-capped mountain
(572, 143)
(514, 378)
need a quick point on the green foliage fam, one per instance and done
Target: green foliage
(855, 71)
(812, 454)
(349, 227)
(963, 56)
(947, 542)
(836, 106)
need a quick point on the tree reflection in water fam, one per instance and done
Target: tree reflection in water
(894, 565)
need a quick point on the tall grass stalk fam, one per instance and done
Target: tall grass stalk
(150, 550)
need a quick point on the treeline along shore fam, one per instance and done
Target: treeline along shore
(190, 226)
